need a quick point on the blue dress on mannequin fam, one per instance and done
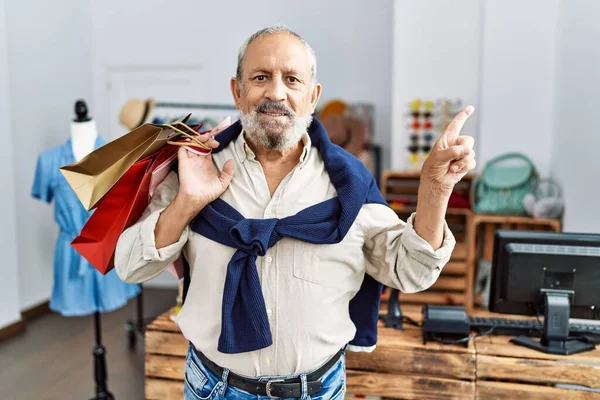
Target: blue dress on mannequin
(78, 288)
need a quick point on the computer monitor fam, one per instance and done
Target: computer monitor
(554, 274)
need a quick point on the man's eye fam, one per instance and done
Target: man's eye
(293, 79)
(260, 78)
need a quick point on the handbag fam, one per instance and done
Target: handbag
(94, 175)
(500, 188)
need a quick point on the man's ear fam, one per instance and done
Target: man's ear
(315, 96)
(235, 92)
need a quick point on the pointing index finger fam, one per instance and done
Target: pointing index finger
(454, 128)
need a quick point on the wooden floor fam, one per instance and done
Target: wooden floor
(53, 358)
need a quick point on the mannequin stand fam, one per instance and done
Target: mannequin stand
(99, 353)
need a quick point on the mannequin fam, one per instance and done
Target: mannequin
(83, 131)
(77, 288)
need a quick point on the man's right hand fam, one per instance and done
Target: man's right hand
(199, 183)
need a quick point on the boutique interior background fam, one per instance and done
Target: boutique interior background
(529, 67)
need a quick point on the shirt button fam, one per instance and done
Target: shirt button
(268, 361)
(269, 312)
(269, 259)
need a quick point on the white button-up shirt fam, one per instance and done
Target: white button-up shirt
(307, 287)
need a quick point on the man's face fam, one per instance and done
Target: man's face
(277, 96)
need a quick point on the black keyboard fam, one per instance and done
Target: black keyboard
(517, 327)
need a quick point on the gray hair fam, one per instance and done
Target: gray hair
(270, 31)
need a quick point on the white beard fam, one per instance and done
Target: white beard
(275, 135)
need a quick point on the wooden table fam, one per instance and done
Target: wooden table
(402, 367)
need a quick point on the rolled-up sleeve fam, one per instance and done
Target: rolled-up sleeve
(136, 257)
(396, 255)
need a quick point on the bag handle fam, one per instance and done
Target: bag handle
(507, 156)
(195, 142)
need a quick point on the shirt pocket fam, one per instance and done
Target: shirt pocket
(306, 262)
(329, 265)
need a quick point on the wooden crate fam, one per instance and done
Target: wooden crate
(166, 349)
(508, 371)
(451, 287)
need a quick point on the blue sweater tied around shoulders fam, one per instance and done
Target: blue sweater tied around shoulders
(245, 326)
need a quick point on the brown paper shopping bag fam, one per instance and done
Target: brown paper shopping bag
(93, 176)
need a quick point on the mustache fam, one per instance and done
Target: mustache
(274, 106)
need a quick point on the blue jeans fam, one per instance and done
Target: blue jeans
(202, 384)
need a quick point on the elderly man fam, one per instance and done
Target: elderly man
(287, 237)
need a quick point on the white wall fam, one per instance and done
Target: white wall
(517, 79)
(436, 54)
(496, 55)
(9, 283)
(49, 55)
(576, 144)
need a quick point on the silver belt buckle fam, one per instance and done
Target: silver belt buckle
(268, 388)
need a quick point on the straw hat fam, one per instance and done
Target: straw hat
(344, 130)
(135, 112)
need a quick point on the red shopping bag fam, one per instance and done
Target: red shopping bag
(120, 208)
(129, 196)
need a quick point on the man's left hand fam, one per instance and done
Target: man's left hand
(451, 157)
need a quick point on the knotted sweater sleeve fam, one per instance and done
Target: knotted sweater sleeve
(136, 257)
(396, 255)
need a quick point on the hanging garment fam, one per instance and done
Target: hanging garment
(78, 288)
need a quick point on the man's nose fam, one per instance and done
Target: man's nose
(276, 90)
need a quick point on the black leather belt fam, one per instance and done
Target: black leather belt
(276, 388)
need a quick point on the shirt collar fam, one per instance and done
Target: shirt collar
(244, 152)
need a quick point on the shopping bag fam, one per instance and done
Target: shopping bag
(125, 201)
(122, 207)
(94, 175)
